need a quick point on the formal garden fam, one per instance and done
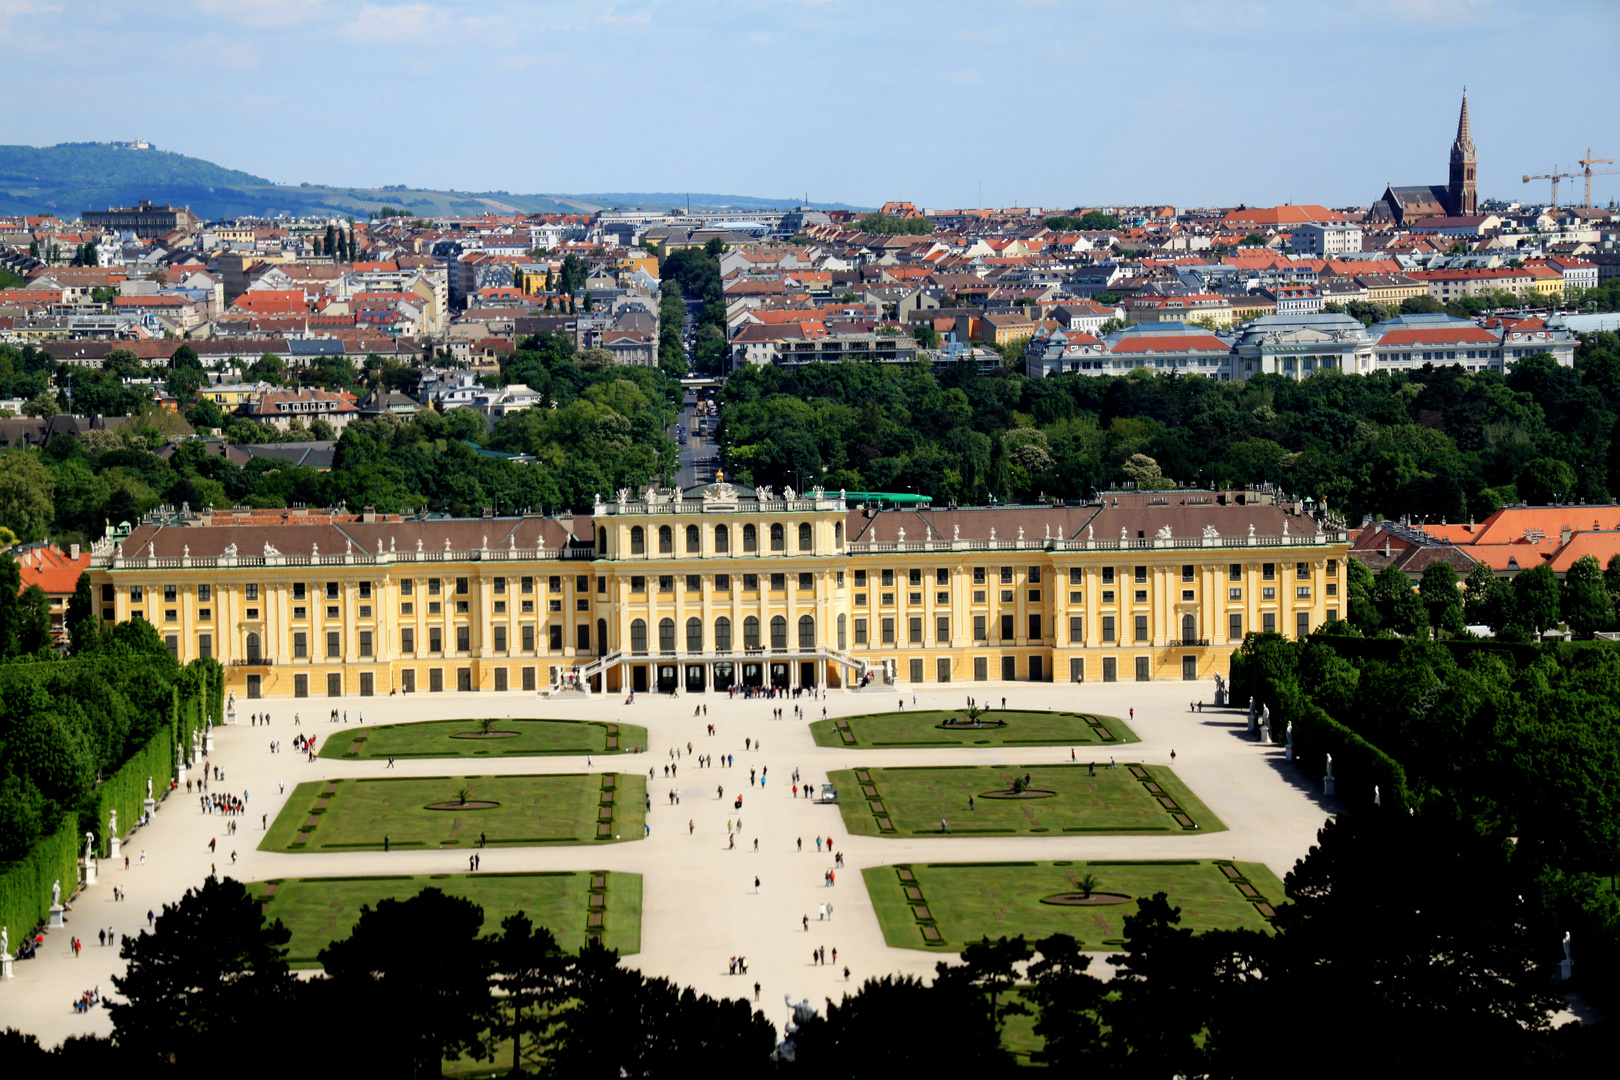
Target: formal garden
(465, 812)
(485, 737)
(574, 906)
(949, 905)
(934, 728)
(1090, 798)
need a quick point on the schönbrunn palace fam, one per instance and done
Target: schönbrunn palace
(723, 585)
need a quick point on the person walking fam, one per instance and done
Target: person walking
(756, 884)
(807, 924)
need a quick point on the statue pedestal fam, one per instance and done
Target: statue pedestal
(115, 849)
(208, 743)
(180, 775)
(89, 872)
(1327, 786)
(5, 967)
(151, 807)
(1254, 726)
(1566, 970)
(57, 922)
(1289, 756)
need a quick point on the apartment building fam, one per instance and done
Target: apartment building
(721, 586)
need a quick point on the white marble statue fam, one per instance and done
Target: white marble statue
(89, 846)
(1329, 767)
(112, 822)
(148, 787)
(56, 893)
(956, 532)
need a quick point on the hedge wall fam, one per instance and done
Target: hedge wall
(125, 790)
(1358, 765)
(25, 885)
(1238, 681)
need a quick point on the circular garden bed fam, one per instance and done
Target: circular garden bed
(1074, 899)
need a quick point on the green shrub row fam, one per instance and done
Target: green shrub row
(125, 790)
(1358, 765)
(25, 885)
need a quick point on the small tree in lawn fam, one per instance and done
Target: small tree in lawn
(1088, 884)
(486, 725)
(461, 795)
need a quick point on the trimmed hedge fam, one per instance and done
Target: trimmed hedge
(25, 885)
(1238, 681)
(125, 790)
(1358, 765)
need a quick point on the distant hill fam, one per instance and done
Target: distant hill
(70, 178)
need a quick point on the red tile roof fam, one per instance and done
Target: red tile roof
(1453, 336)
(1174, 343)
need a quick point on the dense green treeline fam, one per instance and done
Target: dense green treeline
(1438, 442)
(1518, 745)
(598, 427)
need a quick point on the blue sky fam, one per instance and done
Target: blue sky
(1034, 103)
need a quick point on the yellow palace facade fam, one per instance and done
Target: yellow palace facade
(724, 586)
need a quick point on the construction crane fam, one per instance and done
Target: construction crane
(1587, 162)
(1554, 176)
(1586, 172)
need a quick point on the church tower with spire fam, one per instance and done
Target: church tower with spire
(1463, 199)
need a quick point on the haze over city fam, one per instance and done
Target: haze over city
(954, 104)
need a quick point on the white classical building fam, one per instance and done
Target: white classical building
(1301, 345)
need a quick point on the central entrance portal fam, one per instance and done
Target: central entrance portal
(667, 680)
(725, 677)
(753, 675)
(694, 679)
(779, 675)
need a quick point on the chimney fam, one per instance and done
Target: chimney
(73, 552)
(1563, 535)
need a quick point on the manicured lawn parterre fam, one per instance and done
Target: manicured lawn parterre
(912, 801)
(462, 738)
(356, 814)
(573, 906)
(1002, 727)
(948, 905)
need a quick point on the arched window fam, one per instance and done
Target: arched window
(638, 540)
(638, 635)
(807, 632)
(666, 540)
(750, 633)
(722, 538)
(694, 634)
(694, 542)
(722, 634)
(778, 632)
(805, 543)
(838, 535)
(778, 538)
(750, 538)
(841, 632)
(666, 635)
(1189, 628)
(253, 648)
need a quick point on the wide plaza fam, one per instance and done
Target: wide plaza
(696, 854)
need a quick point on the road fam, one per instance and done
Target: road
(695, 468)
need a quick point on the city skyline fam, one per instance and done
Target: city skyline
(1199, 106)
